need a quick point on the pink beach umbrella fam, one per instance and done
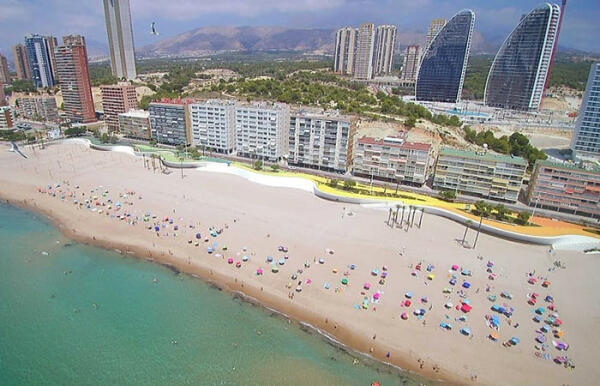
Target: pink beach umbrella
(367, 286)
(259, 271)
(376, 296)
(404, 316)
(230, 261)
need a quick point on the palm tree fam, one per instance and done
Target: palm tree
(397, 210)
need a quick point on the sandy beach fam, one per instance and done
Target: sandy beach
(332, 243)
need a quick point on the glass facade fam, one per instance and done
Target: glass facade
(518, 73)
(586, 139)
(444, 64)
(39, 53)
(169, 123)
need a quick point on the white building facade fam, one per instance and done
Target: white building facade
(213, 125)
(262, 130)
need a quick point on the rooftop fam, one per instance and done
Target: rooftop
(395, 142)
(136, 114)
(589, 167)
(452, 152)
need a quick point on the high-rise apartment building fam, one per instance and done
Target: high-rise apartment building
(519, 71)
(363, 60)
(135, 124)
(435, 26)
(412, 61)
(170, 122)
(262, 130)
(2, 96)
(4, 72)
(586, 138)
(565, 187)
(117, 99)
(22, 62)
(40, 60)
(38, 108)
(392, 159)
(52, 44)
(487, 175)
(73, 72)
(6, 118)
(346, 42)
(213, 125)
(385, 43)
(117, 14)
(321, 140)
(442, 72)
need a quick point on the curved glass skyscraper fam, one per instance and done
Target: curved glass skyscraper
(443, 67)
(518, 74)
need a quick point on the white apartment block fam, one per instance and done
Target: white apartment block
(213, 125)
(321, 140)
(346, 42)
(262, 130)
(363, 61)
(385, 43)
(392, 159)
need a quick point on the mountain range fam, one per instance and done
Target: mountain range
(212, 40)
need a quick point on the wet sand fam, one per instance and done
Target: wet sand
(267, 217)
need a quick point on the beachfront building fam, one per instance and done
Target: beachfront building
(213, 125)
(435, 27)
(4, 72)
(41, 58)
(519, 71)
(21, 62)
(75, 85)
(586, 139)
(6, 118)
(346, 42)
(117, 14)
(565, 187)
(117, 99)
(482, 174)
(383, 55)
(262, 130)
(392, 159)
(38, 108)
(135, 124)
(363, 59)
(444, 63)
(412, 61)
(170, 123)
(321, 140)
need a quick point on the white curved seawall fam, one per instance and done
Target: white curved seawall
(563, 242)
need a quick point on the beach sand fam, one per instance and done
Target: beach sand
(263, 218)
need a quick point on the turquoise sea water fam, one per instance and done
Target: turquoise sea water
(86, 316)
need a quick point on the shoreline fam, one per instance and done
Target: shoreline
(158, 217)
(249, 293)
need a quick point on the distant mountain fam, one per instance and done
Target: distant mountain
(209, 40)
(96, 50)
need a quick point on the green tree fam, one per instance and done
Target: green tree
(410, 122)
(483, 208)
(75, 131)
(523, 217)
(333, 183)
(501, 211)
(349, 184)
(104, 138)
(448, 195)
(275, 168)
(258, 165)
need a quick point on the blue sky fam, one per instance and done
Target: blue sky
(494, 18)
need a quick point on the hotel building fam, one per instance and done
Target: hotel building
(213, 125)
(117, 99)
(392, 159)
(21, 62)
(321, 140)
(76, 87)
(262, 130)
(38, 108)
(135, 124)
(169, 121)
(487, 175)
(565, 187)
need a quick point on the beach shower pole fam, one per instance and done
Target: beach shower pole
(421, 218)
(412, 221)
(478, 230)
(402, 220)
